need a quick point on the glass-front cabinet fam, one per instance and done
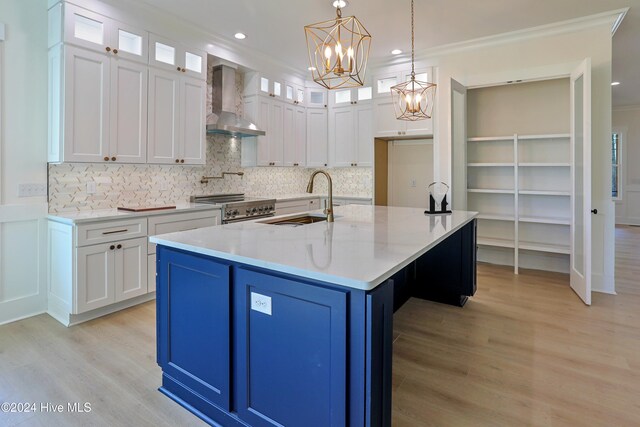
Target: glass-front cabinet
(351, 96)
(170, 55)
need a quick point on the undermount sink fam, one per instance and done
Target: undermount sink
(295, 221)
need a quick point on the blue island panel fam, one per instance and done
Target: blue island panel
(291, 343)
(194, 317)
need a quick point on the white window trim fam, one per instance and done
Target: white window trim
(622, 164)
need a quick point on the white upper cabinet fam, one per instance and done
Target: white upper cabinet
(294, 94)
(176, 119)
(317, 137)
(93, 31)
(295, 136)
(170, 55)
(350, 136)
(354, 96)
(316, 97)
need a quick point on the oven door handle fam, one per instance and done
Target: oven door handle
(247, 218)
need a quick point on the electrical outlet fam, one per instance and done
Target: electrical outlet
(413, 183)
(32, 190)
(91, 187)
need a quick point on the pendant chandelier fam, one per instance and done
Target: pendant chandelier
(338, 50)
(413, 100)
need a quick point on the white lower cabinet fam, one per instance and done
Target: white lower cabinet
(110, 273)
(297, 206)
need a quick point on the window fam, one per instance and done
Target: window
(615, 166)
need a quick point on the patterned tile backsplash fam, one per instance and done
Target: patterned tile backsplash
(142, 184)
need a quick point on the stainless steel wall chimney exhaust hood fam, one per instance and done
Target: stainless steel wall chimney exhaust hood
(224, 120)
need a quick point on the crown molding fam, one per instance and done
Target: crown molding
(612, 18)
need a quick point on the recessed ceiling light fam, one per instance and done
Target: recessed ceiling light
(311, 68)
(340, 3)
(396, 52)
(615, 83)
(240, 36)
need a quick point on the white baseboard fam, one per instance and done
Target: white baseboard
(68, 319)
(14, 310)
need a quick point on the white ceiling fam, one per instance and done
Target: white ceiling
(275, 27)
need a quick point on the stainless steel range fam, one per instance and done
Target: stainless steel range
(237, 207)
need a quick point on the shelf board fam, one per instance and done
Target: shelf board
(490, 191)
(545, 247)
(545, 220)
(490, 165)
(545, 136)
(490, 138)
(498, 243)
(544, 193)
(548, 165)
(496, 217)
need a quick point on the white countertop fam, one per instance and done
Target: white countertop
(108, 214)
(363, 247)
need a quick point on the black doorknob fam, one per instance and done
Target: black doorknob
(594, 211)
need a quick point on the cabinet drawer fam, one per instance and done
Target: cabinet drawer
(163, 224)
(109, 231)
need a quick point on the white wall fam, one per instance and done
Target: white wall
(626, 121)
(555, 54)
(410, 173)
(23, 95)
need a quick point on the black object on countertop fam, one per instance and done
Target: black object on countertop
(432, 206)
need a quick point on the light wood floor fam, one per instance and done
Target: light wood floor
(524, 351)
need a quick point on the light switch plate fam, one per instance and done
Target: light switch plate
(261, 303)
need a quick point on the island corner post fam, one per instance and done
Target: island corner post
(241, 345)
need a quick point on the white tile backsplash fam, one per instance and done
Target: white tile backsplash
(119, 185)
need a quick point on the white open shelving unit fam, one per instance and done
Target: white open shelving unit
(521, 186)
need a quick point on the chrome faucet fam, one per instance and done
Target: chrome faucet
(328, 210)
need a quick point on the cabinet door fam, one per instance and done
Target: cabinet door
(163, 116)
(128, 136)
(192, 121)
(95, 282)
(194, 63)
(264, 123)
(289, 372)
(300, 137)
(87, 29)
(276, 128)
(316, 98)
(289, 134)
(317, 137)
(164, 53)
(86, 135)
(342, 137)
(130, 269)
(420, 127)
(194, 323)
(130, 43)
(386, 124)
(364, 135)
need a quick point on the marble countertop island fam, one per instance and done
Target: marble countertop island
(362, 248)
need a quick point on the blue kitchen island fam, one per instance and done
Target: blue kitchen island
(260, 324)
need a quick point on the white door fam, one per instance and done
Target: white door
(128, 106)
(130, 269)
(459, 145)
(342, 137)
(581, 200)
(276, 139)
(95, 281)
(364, 135)
(164, 116)
(86, 130)
(193, 143)
(317, 133)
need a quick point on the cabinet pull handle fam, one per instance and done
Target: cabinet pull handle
(178, 68)
(106, 158)
(184, 69)
(115, 51)
(115, 231)
(113, 159)
(111, 247)
(181, 160)
(177, 160)
(119, 247)
(108, 49)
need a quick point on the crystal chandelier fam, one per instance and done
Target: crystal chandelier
(413, 99)
(338, 50)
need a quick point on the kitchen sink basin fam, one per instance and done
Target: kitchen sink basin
(295, 221)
